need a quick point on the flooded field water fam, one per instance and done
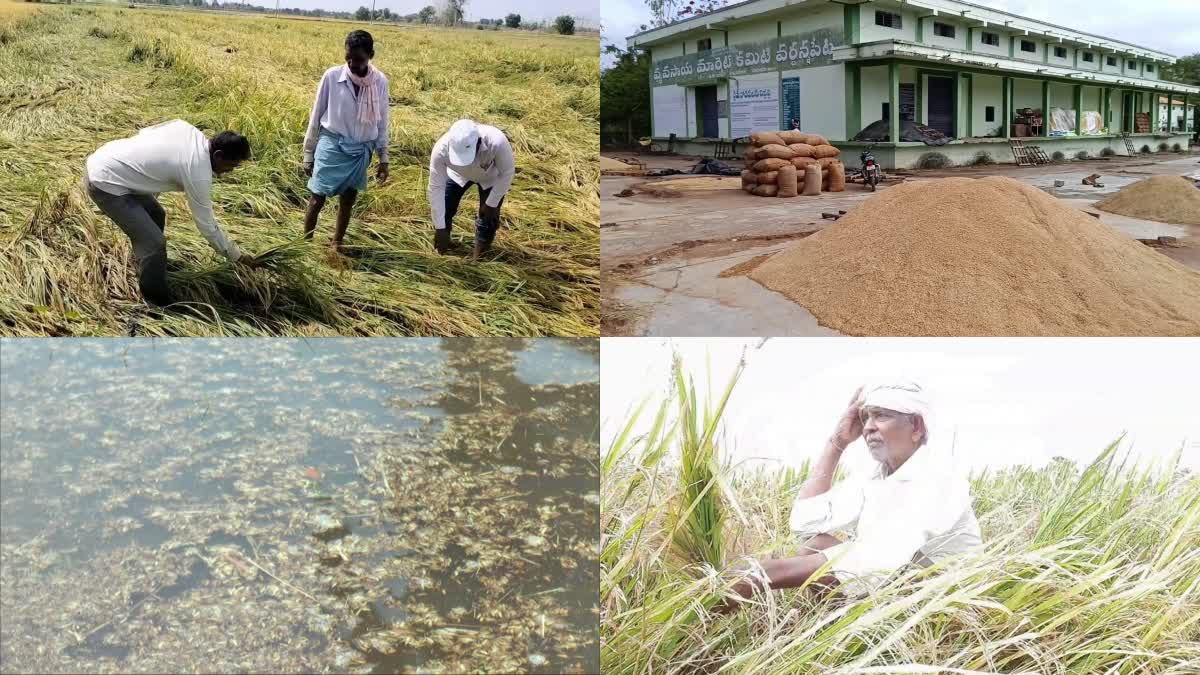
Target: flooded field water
(425, 505)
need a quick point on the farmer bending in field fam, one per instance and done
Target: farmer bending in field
(914, 509)
(469, 154)
(124, 176)
(349, 121)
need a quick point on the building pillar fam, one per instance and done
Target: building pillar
(894, 101)
(1155, 118)
(1079, 110)
(1006, 112)
(1170, 111)
(1105, 95)
(853, 99)
(970, 104)
(1045, 108)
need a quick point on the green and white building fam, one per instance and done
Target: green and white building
(838, 66)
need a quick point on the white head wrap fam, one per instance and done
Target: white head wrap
(905, 397)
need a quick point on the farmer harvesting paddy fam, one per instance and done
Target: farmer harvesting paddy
(915, 509)
(124, 177)
(75, 78)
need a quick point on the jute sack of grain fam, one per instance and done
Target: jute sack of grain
(770, 164)
(837, 177)
(792, 136)
(825, 151)
(768, 178)
(826, 161)
(817, 139)
(787, 181)
(766, 190)
(801, 162)
(812, 181)
(749, 180)
(766, 138)
(826, 176)
(777, 151)
(751, 154)
(802, 150)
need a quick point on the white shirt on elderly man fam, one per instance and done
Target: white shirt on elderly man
(335, 109)
(493, 168)
(921, 514)
(168, 157)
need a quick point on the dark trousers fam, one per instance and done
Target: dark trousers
(485, 225)
(143, 220)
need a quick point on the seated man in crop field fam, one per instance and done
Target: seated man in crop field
(469, 154)
(124, 176)
(349, 122)
(914, 509)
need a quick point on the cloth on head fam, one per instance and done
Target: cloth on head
(905, 397)
(370, 109)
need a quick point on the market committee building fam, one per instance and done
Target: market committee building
(979, 76)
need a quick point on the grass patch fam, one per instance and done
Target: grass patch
(1058, 156)
(933, 160)
(67, 269)
(983, 158)
(1145, 149)
(1082, 154)
(1107, 152)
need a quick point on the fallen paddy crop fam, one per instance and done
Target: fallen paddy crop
(1090, 569)
(74, 78)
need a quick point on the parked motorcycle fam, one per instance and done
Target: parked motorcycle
(871, 173)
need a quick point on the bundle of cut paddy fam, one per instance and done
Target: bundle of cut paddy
(777, 161)
(994, 256)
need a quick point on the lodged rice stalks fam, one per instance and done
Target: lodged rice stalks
(72, 79)
(1092, 570)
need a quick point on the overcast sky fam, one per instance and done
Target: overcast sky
(1009, 401)
(476, 9)
(1172, 26)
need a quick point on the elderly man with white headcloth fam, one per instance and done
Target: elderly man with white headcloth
(915, 508)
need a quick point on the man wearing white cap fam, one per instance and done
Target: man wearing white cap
(469, 154)
(915, 508)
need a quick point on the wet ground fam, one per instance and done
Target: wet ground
(662, 255)
(289, 505)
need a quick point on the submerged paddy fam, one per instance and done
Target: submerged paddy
(290, 505)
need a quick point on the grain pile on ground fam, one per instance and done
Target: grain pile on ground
(774, 151)
(1167, 199)
(994, 256)
(695, 183)
(612, 167)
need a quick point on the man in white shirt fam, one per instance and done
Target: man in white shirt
(469, 154)
(916, 508)
(124, 176)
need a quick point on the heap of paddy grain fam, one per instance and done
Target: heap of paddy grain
(1166, 199)
(964, 257)
(788, 163)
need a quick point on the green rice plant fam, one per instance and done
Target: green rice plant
(1092, 569)
(65, 92)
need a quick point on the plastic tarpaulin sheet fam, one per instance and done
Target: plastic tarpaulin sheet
(1062, 122)
(1093, 123)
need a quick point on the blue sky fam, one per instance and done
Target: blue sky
(1172, 26)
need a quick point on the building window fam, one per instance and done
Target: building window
(1112, 61)
(704, 45)
(989, 113)
(1028, 46)
(1149, 68)
(1131, 64)
(1089, 57)
(888, 20)
(992, 39)
(1060, 52)
(943, 29)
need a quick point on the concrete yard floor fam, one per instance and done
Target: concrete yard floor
(662, 256)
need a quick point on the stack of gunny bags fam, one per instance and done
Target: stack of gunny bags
(787, 163)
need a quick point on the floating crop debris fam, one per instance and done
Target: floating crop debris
(285, 505)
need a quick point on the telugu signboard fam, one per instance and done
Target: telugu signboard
(805, 50)
(755, 107)
(791, 102)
